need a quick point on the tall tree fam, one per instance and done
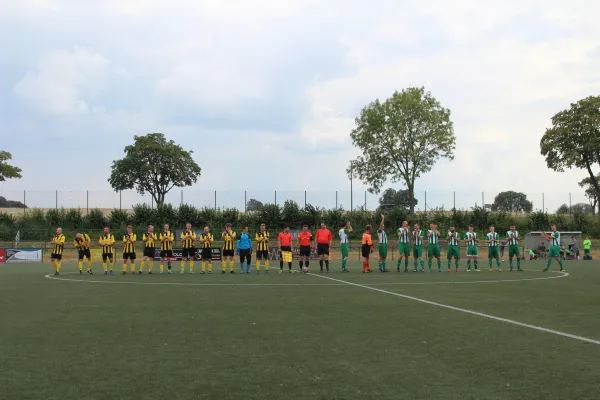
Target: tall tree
(253, 205)
(400, 139)
(591, 194)
(391, 198)
(574, 140)
(563, 209)
(154, 165)
(512, 202)
(8, 171)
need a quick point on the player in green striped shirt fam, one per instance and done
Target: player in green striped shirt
(472, 249)
(453, 248)
(344, 244)
(418, 236)
(513, 247)
(383, 245)
(403, 245)
(433, 246)
(554, 252)
(493, 239)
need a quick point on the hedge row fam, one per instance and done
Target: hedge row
(36, 224)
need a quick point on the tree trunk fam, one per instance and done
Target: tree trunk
(411, 197)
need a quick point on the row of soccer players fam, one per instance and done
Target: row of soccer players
(418, 237)
(232, 243)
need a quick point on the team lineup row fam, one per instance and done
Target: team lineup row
(242, 244)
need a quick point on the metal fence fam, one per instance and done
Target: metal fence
(221, 199)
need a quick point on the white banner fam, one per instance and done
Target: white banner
(23, 255)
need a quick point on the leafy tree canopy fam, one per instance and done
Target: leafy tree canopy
(253, 205)
(392, 198)
(510, 201)
(8, 171)
(154, 165)
(400, 139)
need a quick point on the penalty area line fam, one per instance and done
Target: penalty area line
(463, 310)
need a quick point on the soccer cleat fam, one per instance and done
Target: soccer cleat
(105, 273)
(56, 273)
(457, 269)
(281, 271)
(182, 272)
(398, 270)
(415, 270)
(161, 272)
(232, 272)
(545, 270)
(139, 272)
(111, 273)
(191, 272)
(468, 269)
(223, 272)
(491, 270)
(124, 273)
(80, 272)
(499, 269)
(170, 272)
(448, 270)
(290, 271)
(519, 270)
(149, 272)
(562, 270)
(476, 269)
(90, 272)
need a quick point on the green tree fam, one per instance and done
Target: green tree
(590, 193)
(8, 171)
(391, 198)
(253, 205)
(154, 165)
(563, 209)
(400, 139)
(574, 140)
(510, 201)
(582, 209)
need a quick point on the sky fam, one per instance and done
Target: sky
(274, 86)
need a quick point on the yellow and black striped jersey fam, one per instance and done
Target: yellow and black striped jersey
(106, 241)
(129, 241)
(262, 240)
(59, 243)
(206, 240)
(228, 239)
(166, 240)
(149, 240)
(188, 238)
(83, 243)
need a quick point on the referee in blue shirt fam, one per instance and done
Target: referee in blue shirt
(245, 248)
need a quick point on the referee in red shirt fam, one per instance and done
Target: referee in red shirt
(324, 238)
(304, 241)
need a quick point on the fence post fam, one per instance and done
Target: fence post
(276, 197)
(543, 203)
(454, 201)
(56, 195)
(87, 202)
(426, 202)
(570, 206)
(181, 196)
(365, 200)
(24, 201)
(215, 199)
(482, 201)
(152, 202)
(245, 201)
(120, 200)
(336, 200)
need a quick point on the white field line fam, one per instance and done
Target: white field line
(478, 314)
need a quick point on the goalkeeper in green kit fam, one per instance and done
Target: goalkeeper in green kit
(344, 244)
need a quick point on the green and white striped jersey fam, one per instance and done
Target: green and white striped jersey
(453, 241)
(434, 238)
(492, 236)
(510, 234)
(403, 235)
(470, 237)
(418, 242)
(555, 239)
(344, 233)
(382, 236)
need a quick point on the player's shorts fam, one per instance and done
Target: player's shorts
(453, 252)
(493, 252)
(228, 253)
(554, 252)
(107, 256)
(304, 251)
(404, 249)
(149, 252)
(262, 254)
(84, 254)
(188, 253)
(383, 250)
(345, 250)
(472, 251)
(417, 251)
(514, 250)
(55, 256)
(129, 256)
(245, 254)
(207, 254)
(365, 250)
(433, 251)
(166, 254)
(586, 252)
(323, 249)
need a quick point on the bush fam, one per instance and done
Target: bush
(187, 213)
(143, 215)
(119, 218)
(95, 219)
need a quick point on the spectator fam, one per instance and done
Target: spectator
(502, 246)
(542, 251)
(574, 249)
(532, 255)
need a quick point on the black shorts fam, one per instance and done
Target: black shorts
(188, 253)
(304, 251)
(207, 254)
(107, 256)
(166, 254)
(366, 250)
(323, 249)
(245, 253)
(55, 256)
(129, 256)
(228, 253)
(149, 252)
(85, 254)
(262, 254)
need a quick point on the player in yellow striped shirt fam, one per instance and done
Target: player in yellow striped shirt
(58, 245)
(206, 242)
(228, 236)
(107, 241)
(149, 240)
(262, 247)
(188, 237)
(82, 244)
(166, 238)
(129, 250)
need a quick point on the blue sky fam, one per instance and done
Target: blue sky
(245, 83)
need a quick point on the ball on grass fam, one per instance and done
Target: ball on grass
(305, 270)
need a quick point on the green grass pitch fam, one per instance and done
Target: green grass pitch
(295, 336)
